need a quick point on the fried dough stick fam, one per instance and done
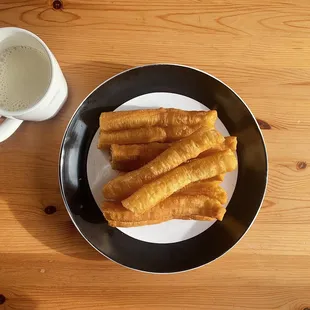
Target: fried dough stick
(205, 187)
(114, 121)
(230, 143)
(123, 186)
(214, 180)
(164, 186)
(173, 207)
(196, 217)
(134, 156)
(145, 135)
(113, 223)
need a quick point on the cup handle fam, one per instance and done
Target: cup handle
(8, 127)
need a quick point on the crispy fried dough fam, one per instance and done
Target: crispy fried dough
(135, 224)
(177, 206)
(229, 143)
(205, 187)
(195, 217)
(164, 186)
(123, 186)
(115, 121)
(134, 156)
(145, 135)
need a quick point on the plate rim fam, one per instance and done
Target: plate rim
(60, 183)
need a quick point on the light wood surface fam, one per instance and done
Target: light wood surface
(261, 48)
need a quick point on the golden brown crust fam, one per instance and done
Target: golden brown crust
(229, 143)
(164, 186)
(115, 121)
(134, 156)
(197, 217)
(205, 187)
(145, 135)
(174, 207)
(130, 136)
(216, 179)
(135, 224)
(123, 186)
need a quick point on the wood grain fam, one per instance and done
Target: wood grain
(262, 50)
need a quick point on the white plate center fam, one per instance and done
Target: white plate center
(99, 172)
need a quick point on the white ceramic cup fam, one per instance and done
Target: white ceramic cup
(56, 94)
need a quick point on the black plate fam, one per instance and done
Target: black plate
(179, 256)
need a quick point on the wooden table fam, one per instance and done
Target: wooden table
(261, 49)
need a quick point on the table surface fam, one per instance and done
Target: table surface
(261, 49)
